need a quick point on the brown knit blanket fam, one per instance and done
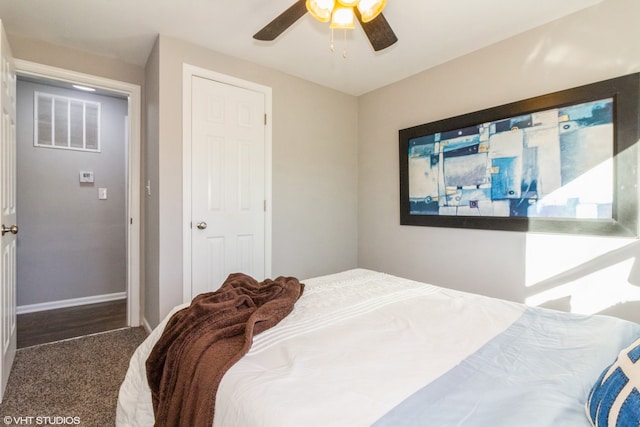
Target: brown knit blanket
(201, 342)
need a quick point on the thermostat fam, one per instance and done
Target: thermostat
(86, 176)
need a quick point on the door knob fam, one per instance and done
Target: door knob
(201, 225)
(13, 229)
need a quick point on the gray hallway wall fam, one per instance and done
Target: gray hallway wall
(71, 244)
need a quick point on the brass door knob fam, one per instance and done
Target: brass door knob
(13, 229)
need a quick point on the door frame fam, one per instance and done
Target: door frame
(189, 71)
(133, 93)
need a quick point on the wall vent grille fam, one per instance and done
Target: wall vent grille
(67, 123)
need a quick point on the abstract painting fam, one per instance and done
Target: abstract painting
(553, 168)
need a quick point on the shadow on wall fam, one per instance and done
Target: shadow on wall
(608, 283)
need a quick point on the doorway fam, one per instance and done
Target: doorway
(71, 203)
(118, 258)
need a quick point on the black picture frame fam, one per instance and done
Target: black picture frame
(596, 138)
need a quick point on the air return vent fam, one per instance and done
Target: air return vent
(67, 123)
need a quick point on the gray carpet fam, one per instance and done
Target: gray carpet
(76, 378)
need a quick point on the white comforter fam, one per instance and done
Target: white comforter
(357, 344)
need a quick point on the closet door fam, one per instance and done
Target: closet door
(227, 184)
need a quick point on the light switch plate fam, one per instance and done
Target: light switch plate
(102, 193)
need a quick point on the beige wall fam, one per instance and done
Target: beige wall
(314, 171)
(592, 45)
(75, 60)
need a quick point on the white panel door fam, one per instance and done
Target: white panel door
(227, 183)
(8, 214)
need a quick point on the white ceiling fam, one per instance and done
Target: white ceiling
(429, 32)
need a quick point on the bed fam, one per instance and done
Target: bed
(363, 348)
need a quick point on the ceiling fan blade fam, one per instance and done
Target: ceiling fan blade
(283, 21)
(378, 31)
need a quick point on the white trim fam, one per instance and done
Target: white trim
(52, 305)
(133, 93)
(189, 71)
(147, 327)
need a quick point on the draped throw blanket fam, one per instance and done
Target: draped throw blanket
(202, 341)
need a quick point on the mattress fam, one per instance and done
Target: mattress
(363, 348)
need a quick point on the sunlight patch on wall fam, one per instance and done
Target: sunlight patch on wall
(592, 189)
(593, 293)
(549, 255)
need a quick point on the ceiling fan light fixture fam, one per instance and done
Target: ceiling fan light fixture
(321, 9)
(343, 18)
(348, 3)
(370, 9)
(378, 31)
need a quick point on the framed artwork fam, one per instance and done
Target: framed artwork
(564, 162)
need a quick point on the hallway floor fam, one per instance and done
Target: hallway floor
(63, 323)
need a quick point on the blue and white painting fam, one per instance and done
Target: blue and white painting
(556, 163)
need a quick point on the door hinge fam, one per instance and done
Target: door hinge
(265, 205)
(265, 119)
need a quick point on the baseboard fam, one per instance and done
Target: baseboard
(32, 308)
(146, 325)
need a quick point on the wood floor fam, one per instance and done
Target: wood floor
(54, 325)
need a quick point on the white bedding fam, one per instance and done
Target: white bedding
(357, 344)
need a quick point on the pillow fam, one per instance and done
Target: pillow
(614, 400)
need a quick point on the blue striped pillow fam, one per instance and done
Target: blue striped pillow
(615, 398)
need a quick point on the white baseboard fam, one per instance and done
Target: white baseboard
(32, 308)
(146, 326)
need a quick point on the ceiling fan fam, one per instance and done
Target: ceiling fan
(378, 30)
